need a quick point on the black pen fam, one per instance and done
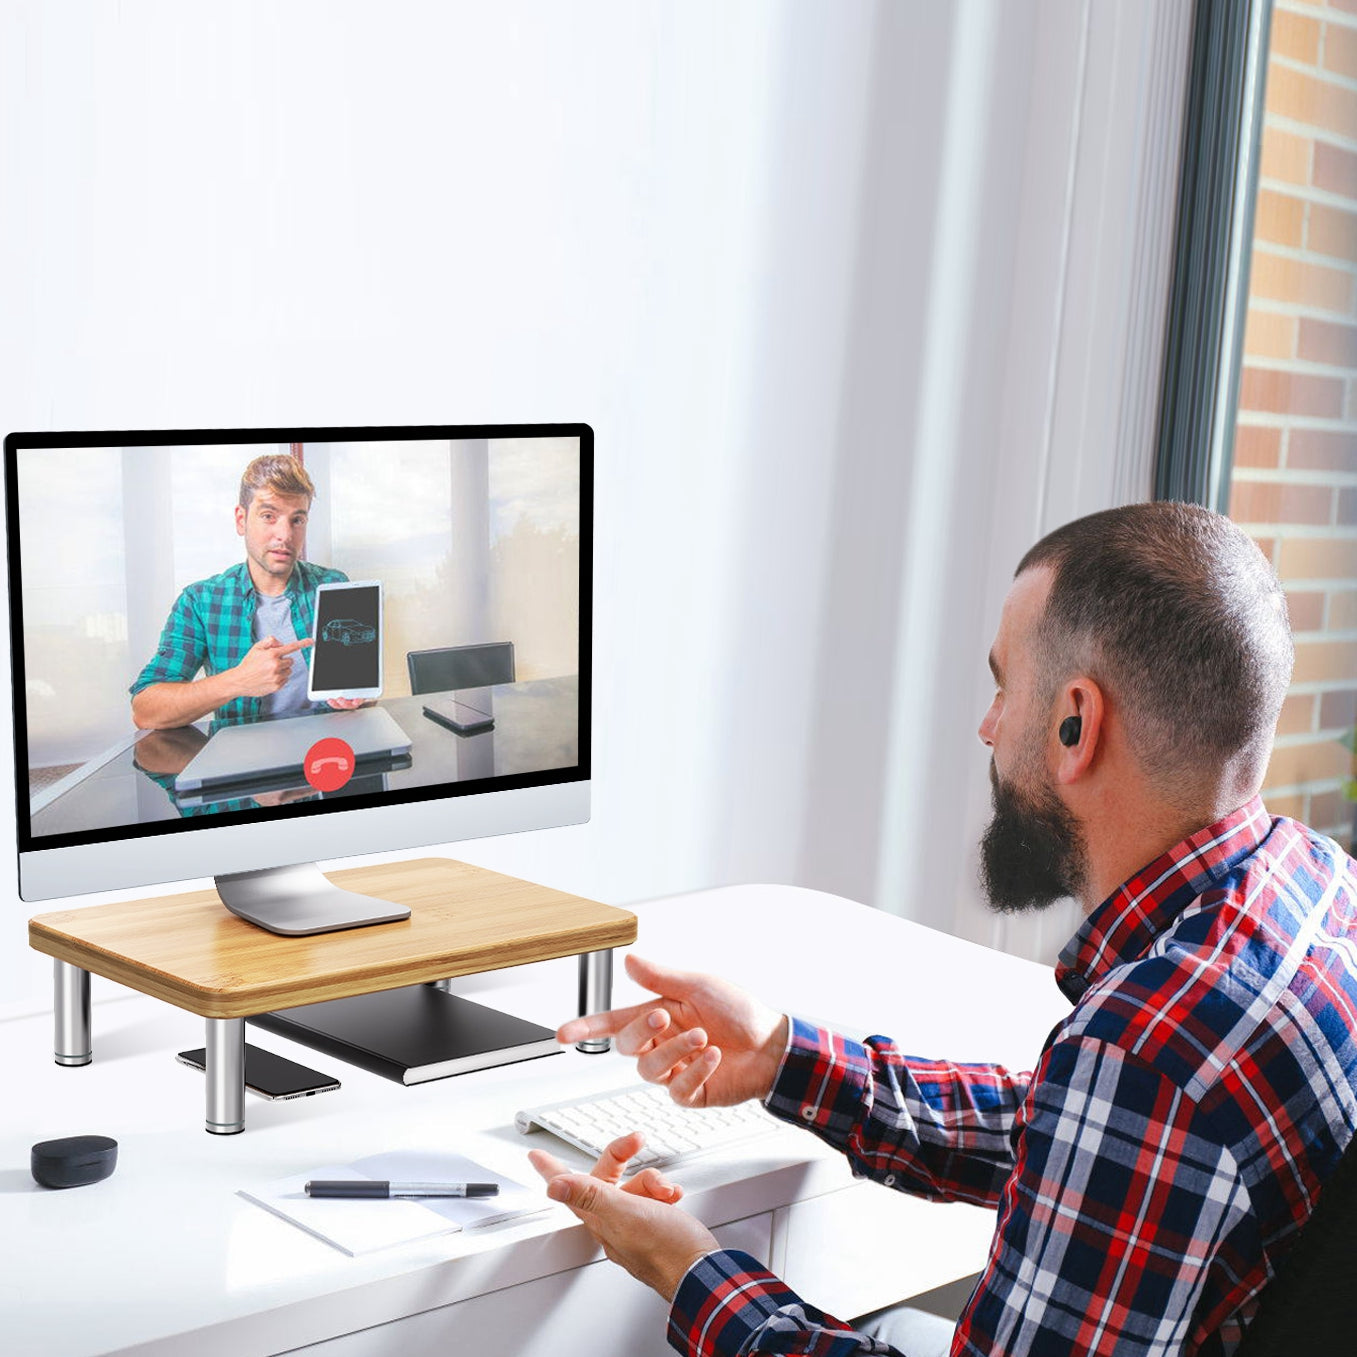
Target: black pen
(365, 1187)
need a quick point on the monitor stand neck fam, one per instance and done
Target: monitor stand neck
(299, 900)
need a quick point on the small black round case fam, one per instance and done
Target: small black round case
(74, 1161)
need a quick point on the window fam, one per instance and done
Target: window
(1293, 483)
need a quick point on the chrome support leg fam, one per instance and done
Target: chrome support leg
(596, 994)
(72, 1008)
(225, 1075)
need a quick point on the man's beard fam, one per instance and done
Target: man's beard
(1032, 853)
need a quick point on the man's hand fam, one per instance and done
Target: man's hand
(709, 1041)
(346, 703)
(266, 667)
(636, 1223)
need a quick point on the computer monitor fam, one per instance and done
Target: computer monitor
(178, 713)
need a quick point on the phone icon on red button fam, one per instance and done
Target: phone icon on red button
(329, 764)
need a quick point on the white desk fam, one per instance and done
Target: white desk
(165, 1258)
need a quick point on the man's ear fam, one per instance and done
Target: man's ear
(240, 521)
(1079, 716)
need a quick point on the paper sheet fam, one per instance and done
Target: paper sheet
(364, 1225)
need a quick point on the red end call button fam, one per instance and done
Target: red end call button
(328, 764)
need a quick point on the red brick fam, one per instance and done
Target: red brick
(1323, 341)
(1306, 610)
(1316, 761)
(1280, 278)
(1256, 445)
(1321, 558)
(1268, 334)
(1286, 157)
(1268, 546)
(1295, 36)
(1311, 505)
(1298, 714)
(1290, 393)
(1332, 231)
(1321, 450)
(1335, 169)
(1343, 610)
(1332, 813)
(1340, 50)
(1338, 710)
(1312, 100)
(1292, 805)
(1279, 217)
(1278, 502)
(1308, 505)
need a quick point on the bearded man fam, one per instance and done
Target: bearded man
(1152, 1171)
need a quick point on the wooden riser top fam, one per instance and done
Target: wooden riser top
(192, 952)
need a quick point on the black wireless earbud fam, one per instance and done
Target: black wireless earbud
(1070, 729)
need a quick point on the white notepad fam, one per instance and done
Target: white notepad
(365, 1224)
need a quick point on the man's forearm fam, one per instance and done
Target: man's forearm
(728, 1302)
(162, 706)
(932, 1128)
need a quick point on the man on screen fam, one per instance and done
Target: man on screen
(1153, 1170)
(246, 627)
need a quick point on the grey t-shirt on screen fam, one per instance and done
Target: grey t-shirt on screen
(273, 617)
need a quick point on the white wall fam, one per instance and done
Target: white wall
(829, 412)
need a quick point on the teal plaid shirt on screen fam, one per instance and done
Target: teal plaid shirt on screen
(211, 627)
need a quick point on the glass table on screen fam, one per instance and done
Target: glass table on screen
(536, 729)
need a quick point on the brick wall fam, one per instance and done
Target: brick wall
(1294, 486)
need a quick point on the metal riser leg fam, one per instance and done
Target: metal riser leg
(225, 1075)
(596, 994)
(72, 1009)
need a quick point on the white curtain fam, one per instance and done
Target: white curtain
(1034, 318)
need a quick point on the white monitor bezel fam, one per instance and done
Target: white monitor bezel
(82, 869)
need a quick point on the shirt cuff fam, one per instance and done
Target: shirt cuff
(822, 1081)
(723, 1299)
(766, 1101)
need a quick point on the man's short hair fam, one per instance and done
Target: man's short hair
(277, 471)
(1175, 611)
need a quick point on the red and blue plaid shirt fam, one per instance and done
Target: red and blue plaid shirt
(1154, 1169)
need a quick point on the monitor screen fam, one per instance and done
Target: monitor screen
(235, 650)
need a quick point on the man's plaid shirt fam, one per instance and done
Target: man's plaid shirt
(211, 627)
(1154, 1169)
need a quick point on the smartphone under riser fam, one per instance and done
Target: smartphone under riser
(270, 1076)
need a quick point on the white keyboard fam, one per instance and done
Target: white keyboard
(671, 1132)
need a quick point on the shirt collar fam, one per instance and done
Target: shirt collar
(245, 581)
(1125, 924)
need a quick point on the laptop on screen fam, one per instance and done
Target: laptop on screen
(238, 756)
